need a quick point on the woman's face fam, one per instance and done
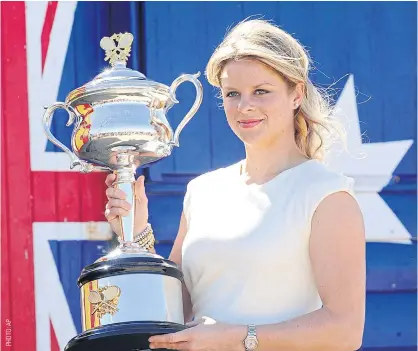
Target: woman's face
(258, 104)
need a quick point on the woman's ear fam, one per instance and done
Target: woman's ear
(298, 92)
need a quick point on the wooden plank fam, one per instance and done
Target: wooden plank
(6, 312)
(69, 268)
(399, 117)
(391, 268)
(391, 320)
(226, 147)
(182, 50)
(68, 197)
(159, 64)
(164, 214)
(44, 199)
(17, 171)
(94, 200)
(404, 205)
(54, 340)
(67, 183)
(195, 143)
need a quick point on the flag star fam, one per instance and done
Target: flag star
(372, 166)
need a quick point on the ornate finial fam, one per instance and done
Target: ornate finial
(119, 52)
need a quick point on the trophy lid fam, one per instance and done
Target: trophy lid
(118, 78)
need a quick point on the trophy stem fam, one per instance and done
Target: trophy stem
(126, 182)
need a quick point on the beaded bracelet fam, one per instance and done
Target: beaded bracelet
(146, 238)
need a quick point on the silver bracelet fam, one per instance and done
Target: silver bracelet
(144, 233)
(146, 238)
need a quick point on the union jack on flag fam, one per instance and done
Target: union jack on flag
(54, 214)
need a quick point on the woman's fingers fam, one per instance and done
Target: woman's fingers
(179, 346)
(140, 189)
(110, 179)
(115, 193)
(114, 212)
(118, 203)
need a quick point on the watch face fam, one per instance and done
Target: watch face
(251, 343)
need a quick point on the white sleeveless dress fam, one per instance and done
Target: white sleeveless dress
(245, 257)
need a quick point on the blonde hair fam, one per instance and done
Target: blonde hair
(267, 43)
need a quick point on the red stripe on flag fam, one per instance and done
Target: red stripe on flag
(54, 340)
(6, 316)
(15, 142)
(68, 196)
(46, 30)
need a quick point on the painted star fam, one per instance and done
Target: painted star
(372, 166)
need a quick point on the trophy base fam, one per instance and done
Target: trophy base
(127, 336)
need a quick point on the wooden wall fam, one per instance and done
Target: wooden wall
(374, 42)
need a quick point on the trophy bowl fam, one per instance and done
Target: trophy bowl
(119, 124)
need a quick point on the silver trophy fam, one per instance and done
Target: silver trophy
(120, 124)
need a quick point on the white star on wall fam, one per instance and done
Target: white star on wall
(372, 166)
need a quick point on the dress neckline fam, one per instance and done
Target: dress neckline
(238, 171)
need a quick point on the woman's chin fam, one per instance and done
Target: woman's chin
(252, 136)
(251, 139)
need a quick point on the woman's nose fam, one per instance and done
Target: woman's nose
(245, 105)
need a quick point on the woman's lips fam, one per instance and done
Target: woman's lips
(250, 123)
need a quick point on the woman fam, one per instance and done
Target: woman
(272, 248)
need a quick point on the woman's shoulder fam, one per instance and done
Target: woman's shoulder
(322, 179)
(321, 171)
(213, 177)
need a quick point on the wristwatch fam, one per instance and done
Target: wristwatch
(251, 341)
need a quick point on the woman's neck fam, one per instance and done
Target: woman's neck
(264, 163)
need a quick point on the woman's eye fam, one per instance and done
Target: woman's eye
(232, 94)
(261, 92)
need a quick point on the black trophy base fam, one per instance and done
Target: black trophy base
(128, 336)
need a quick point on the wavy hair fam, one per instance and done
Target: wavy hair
(265, 42)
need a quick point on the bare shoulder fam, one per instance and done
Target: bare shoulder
(337, 212)
(340, 204)
(212, 177)
(338, 219)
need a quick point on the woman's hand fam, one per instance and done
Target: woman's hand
(202, 335)
(119, 206)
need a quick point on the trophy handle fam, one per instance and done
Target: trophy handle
(46, 121)
(199, 95)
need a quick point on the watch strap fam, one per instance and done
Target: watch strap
(252, 330)
(251, 338)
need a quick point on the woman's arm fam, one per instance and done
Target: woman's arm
(175, 256)
(337, 252)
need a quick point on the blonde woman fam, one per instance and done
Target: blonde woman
(272, 248)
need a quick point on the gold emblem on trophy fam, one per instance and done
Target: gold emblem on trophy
(105, 300)
(119, 52)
